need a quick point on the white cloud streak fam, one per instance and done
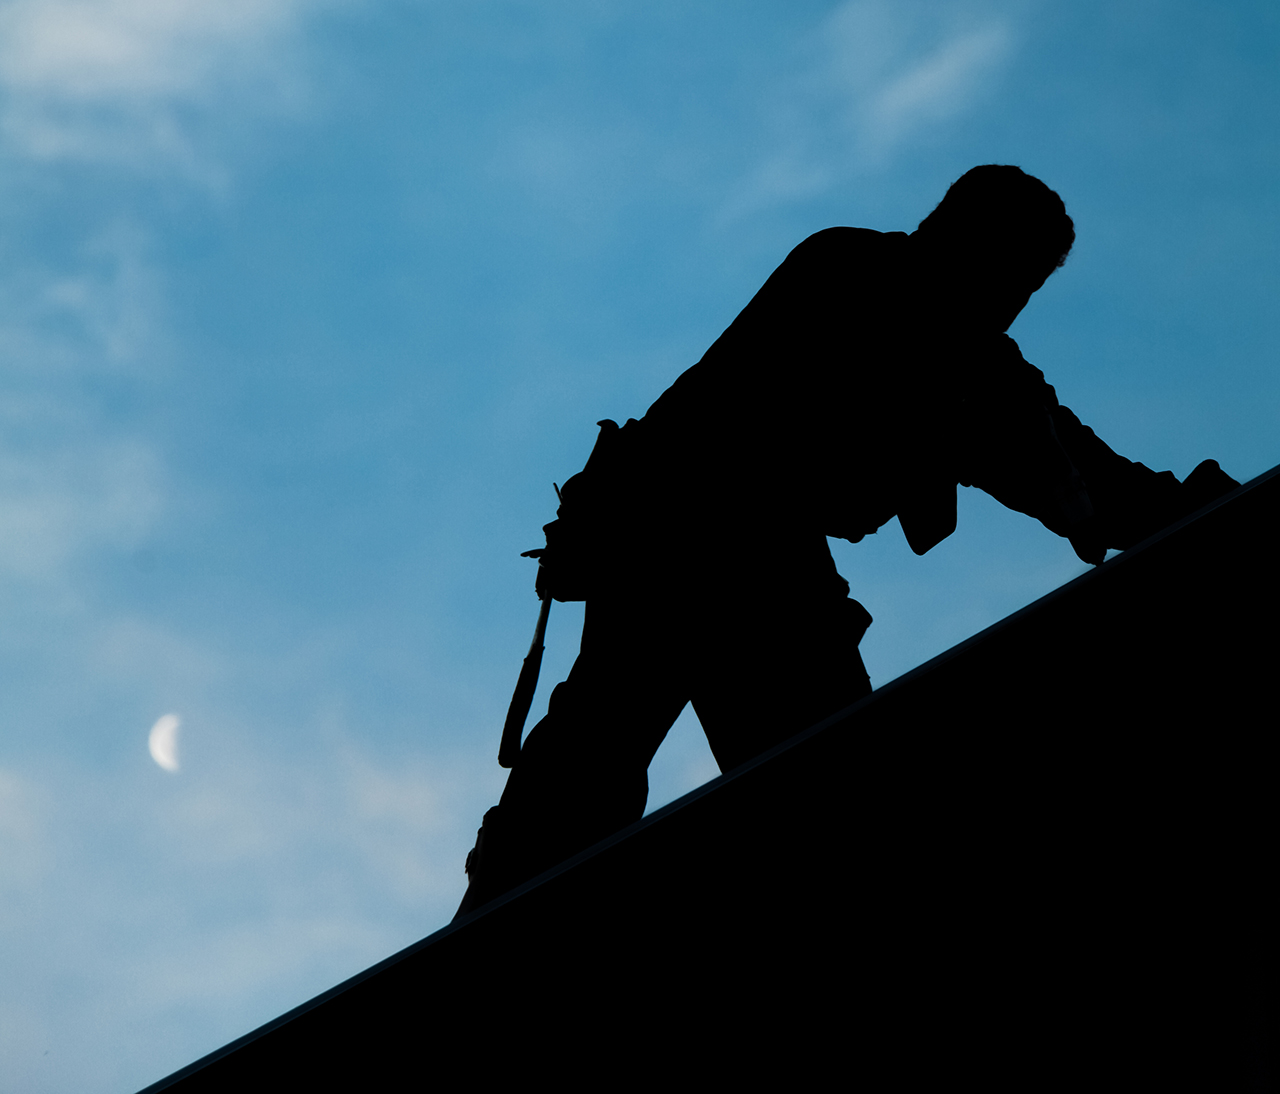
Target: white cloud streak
(875, 77)
(90, 50)
(118, 80)
(55, 506)
(939, 86)
(68, 483)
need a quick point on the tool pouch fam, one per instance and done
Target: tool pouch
(588, 522)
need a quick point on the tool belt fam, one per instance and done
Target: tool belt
(579, 540)
(593, 508)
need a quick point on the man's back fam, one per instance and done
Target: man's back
(791, 414)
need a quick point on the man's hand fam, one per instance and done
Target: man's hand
(1087, 541)
(1205, 484)
(1083, 528)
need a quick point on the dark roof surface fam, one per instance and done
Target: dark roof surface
(1046, 856)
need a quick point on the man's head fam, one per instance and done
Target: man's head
(994, 239)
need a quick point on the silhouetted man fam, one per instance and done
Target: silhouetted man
(867, 378)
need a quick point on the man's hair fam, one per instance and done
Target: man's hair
(1009, 208)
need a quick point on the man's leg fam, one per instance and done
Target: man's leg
(775, 669)
(582, 772)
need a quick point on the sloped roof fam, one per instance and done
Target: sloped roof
(1047, 855)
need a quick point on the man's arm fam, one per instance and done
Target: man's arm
(1034, 455)
(1130, 501)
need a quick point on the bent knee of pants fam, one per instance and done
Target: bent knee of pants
(575, 793)
(567, 791)
(749, 706)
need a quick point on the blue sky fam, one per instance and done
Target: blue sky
(304, 304)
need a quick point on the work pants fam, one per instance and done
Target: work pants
(758, 670)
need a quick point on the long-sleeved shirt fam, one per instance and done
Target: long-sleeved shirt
(840, 397)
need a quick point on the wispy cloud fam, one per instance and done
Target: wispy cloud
(939, 86)
(54, 506)
(101, 309)
(126, 84)
(69, 482)
(873, 78)
(118, 80)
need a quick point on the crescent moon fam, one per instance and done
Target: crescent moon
(163, 741)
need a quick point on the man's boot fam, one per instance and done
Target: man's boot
(479, 869)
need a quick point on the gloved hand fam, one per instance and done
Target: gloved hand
(1087, 541)
(1205, 484)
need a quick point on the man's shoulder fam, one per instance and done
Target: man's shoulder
(833, 256)
(845, 242)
